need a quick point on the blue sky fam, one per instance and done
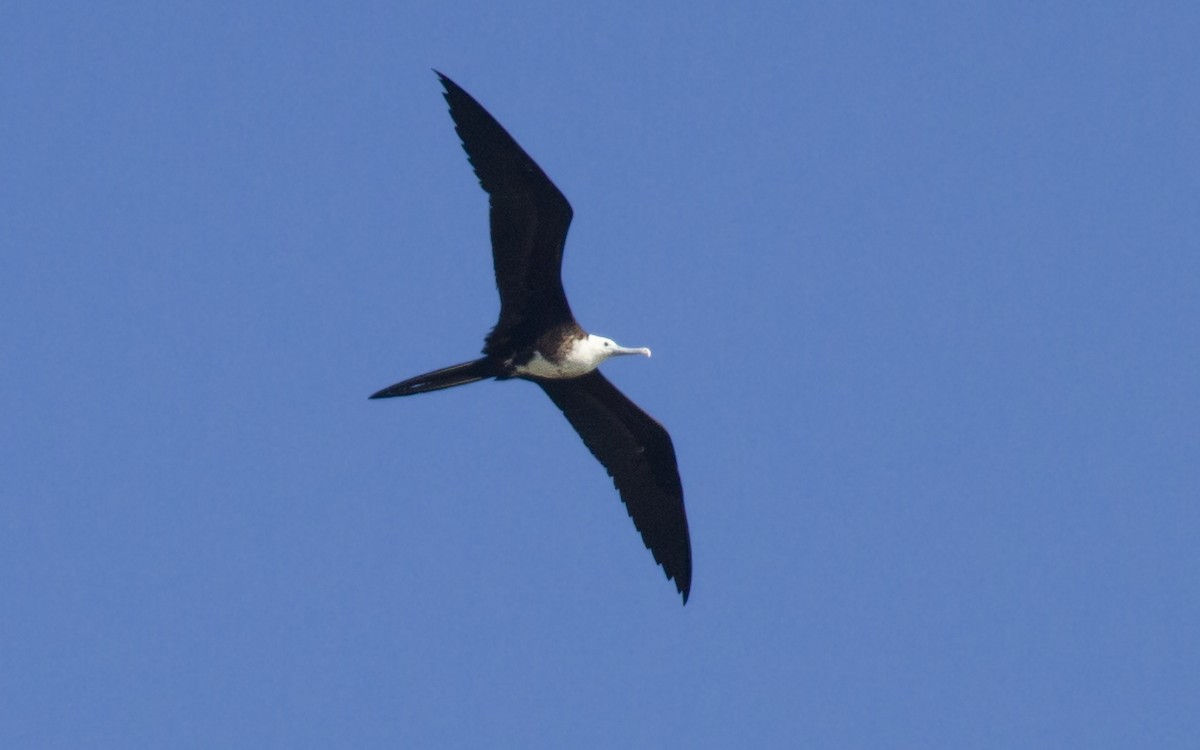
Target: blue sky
(921, 282)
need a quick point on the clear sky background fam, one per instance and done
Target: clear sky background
(922, 282)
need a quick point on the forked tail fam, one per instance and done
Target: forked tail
(447, 377)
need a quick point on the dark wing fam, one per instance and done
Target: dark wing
(639, 456)
(529, 219)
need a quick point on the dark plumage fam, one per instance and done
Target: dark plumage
(536, 338)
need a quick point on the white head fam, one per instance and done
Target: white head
(602, 348)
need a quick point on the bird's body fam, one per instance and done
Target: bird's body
(537, 338)
(573, 356)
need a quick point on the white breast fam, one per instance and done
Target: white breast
(576, 363)
(585, 354)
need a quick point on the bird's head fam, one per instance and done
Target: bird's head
(603, 348)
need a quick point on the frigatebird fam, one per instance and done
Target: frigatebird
(537, 338)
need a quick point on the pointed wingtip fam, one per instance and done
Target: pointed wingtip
(447, 82)
(683, 583)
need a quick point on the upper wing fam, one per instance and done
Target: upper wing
(638, 454)
(529, 220)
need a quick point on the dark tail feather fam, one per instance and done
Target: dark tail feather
(447, 377)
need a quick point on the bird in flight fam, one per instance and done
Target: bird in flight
(537, 339)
